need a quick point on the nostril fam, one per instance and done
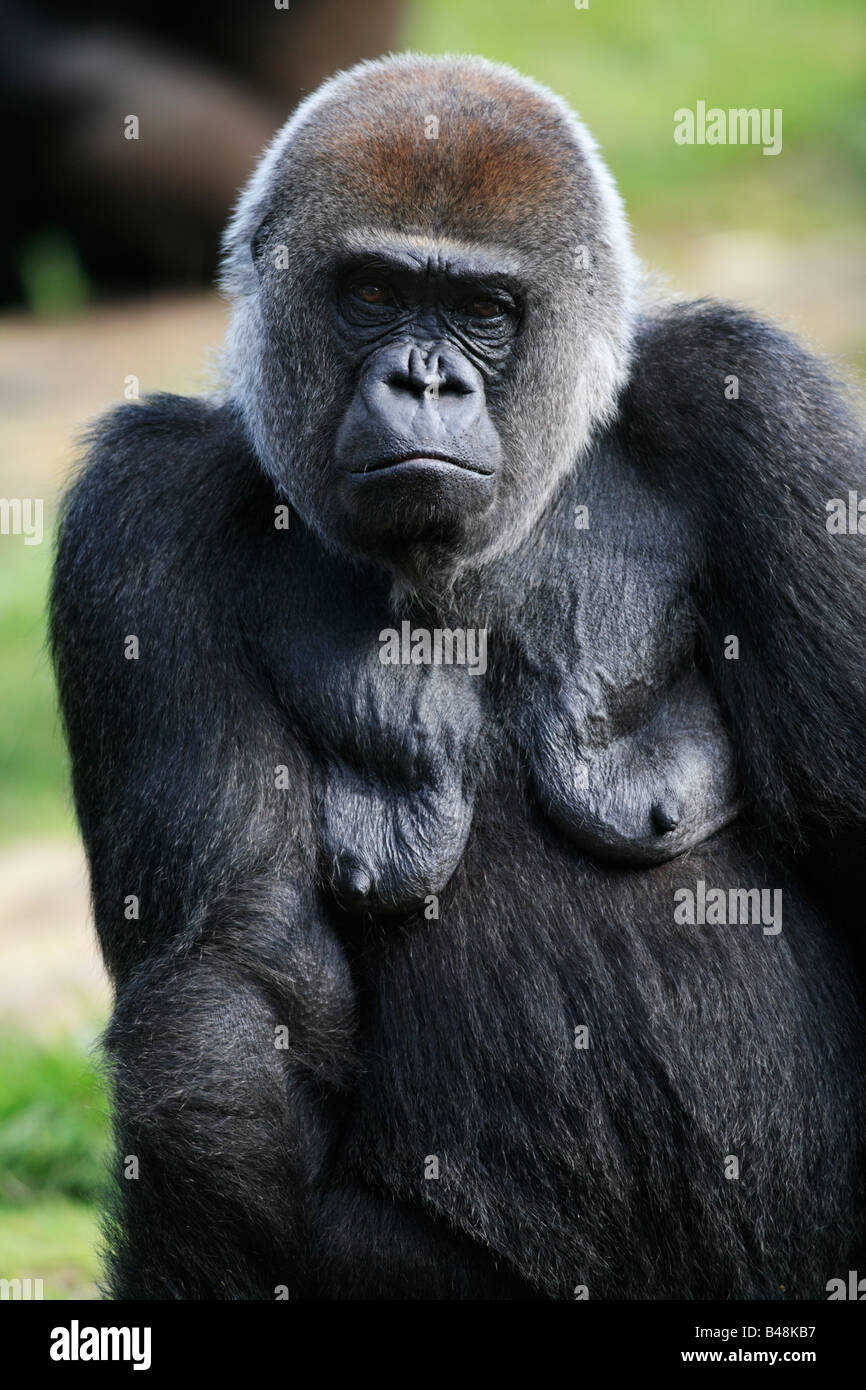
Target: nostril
(432, 384)
(431, 375)
(399, 379)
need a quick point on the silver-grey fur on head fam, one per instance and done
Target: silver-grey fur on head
(573, 355)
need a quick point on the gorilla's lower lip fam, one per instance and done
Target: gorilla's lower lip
(405, 461)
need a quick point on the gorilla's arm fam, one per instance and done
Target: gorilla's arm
(174, 744)
(233, 1016)
(756, 473)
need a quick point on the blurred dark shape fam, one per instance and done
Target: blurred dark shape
(209, 85)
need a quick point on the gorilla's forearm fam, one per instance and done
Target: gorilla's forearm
(235, 1042)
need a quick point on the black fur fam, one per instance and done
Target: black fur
(411, 1037)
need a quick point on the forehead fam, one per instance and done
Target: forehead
(426, 254)
(441, 149)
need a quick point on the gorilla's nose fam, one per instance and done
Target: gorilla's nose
(436, 387)
(431, 373)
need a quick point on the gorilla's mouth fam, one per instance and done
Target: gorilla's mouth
(428, 461)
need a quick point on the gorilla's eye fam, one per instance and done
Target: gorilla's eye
(483, 308)
(369, 292)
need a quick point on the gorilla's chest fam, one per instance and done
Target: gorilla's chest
(572, 665)
(628, 757)
(399, 774)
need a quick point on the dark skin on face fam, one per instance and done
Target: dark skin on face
(427, 333)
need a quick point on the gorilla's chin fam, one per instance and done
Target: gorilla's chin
(385, 511)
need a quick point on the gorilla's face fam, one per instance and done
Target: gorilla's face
(417, 454)
(427, 329)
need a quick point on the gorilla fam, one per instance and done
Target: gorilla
(466, 712)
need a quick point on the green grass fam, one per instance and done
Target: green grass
(34, 798)
(53, 1125)
(53, 1152)
(627, 65)
(55, 1240)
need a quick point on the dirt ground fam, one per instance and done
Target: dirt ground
(51, 977)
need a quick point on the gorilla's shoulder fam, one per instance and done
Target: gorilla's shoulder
(144, 452)
(165, 490)
(712, 382)
(156, 474)
(689, 350)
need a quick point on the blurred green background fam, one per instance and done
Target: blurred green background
(785, 234)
